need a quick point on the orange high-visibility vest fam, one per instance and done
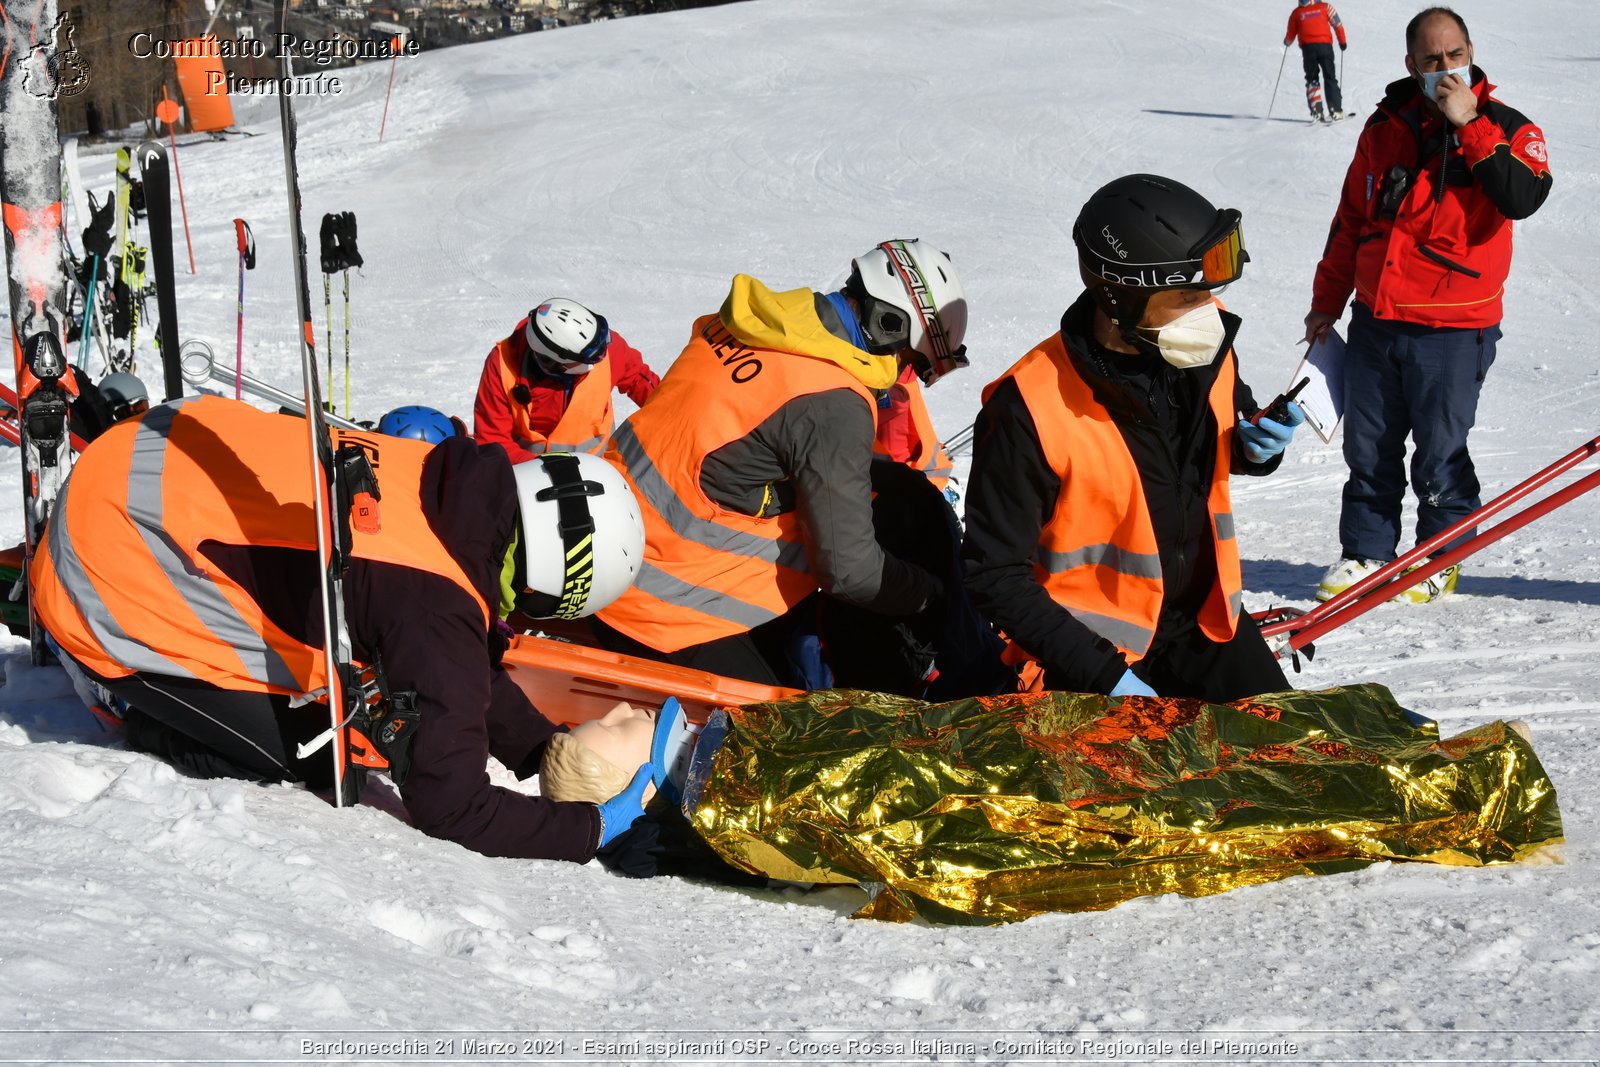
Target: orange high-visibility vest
(929, 456)
(121, 582)
(583, 427)
(710, 572)
(1097, 554)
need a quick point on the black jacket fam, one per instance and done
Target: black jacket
(1166, 422)
(432, 640)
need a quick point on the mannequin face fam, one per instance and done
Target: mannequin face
(621, 737)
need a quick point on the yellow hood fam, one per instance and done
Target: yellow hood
(787, 322)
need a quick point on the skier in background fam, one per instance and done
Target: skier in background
(547, 387)
(1316, 23)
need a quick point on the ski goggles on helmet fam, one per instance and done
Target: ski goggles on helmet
(931, 368)
(1213, 261)
(589, 354)
(127, 409)
(595, 350)
(1221, 251)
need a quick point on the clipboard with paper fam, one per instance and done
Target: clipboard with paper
(1322, 399)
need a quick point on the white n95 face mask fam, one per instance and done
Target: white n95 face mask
(1193, 338)
(1432, 78)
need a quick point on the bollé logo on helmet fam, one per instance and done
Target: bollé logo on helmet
(1111, 239)
(1150, 277)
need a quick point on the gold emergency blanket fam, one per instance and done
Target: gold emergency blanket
(1000, 808)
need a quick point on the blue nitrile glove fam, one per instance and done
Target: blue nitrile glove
(619, 813)
(1267, 438)
(1131, 685)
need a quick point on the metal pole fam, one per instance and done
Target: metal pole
(200, 368)
(1275, 82)
(1376, 585)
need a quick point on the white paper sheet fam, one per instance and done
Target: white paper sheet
(1323, 399)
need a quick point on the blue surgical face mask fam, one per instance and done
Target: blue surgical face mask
(1431, 78)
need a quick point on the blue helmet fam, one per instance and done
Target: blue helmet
(418, 423)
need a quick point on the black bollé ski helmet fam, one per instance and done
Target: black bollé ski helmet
(1143, 233)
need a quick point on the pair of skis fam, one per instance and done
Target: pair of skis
(30, 191)
(345, 488)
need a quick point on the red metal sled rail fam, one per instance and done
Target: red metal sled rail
(1302, 628)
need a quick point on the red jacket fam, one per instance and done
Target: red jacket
(1440, 255)
(547, 396)
(1314, 24)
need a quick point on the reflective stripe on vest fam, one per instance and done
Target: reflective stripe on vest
(710, 572)
(1097, 553)
(584, 426)
(123, 585)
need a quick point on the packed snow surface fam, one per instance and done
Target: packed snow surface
(637, 165)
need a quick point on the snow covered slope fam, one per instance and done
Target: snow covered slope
(637, 165)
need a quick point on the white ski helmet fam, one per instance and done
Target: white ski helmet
(582, 535)
(566, 337)
(911, 297)
(126, 394)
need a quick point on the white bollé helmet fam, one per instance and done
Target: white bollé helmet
(911, 297)
(566, 337)
(582, 535)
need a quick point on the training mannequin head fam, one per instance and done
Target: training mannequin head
(598, 758)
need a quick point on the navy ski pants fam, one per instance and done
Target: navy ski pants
(1403, 379)
(1318, 62)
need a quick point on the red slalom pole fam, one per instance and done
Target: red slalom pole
(167, 111)
(394, 47)
(183, 208)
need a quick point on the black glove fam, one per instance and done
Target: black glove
(345, 223)
(97, 235)
(330, 244)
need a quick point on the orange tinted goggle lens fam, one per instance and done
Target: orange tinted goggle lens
(1224, 261)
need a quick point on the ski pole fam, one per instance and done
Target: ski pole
(88, 315)
(1276, 80)
(247, 261)
(959, 441)
(346, 342)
